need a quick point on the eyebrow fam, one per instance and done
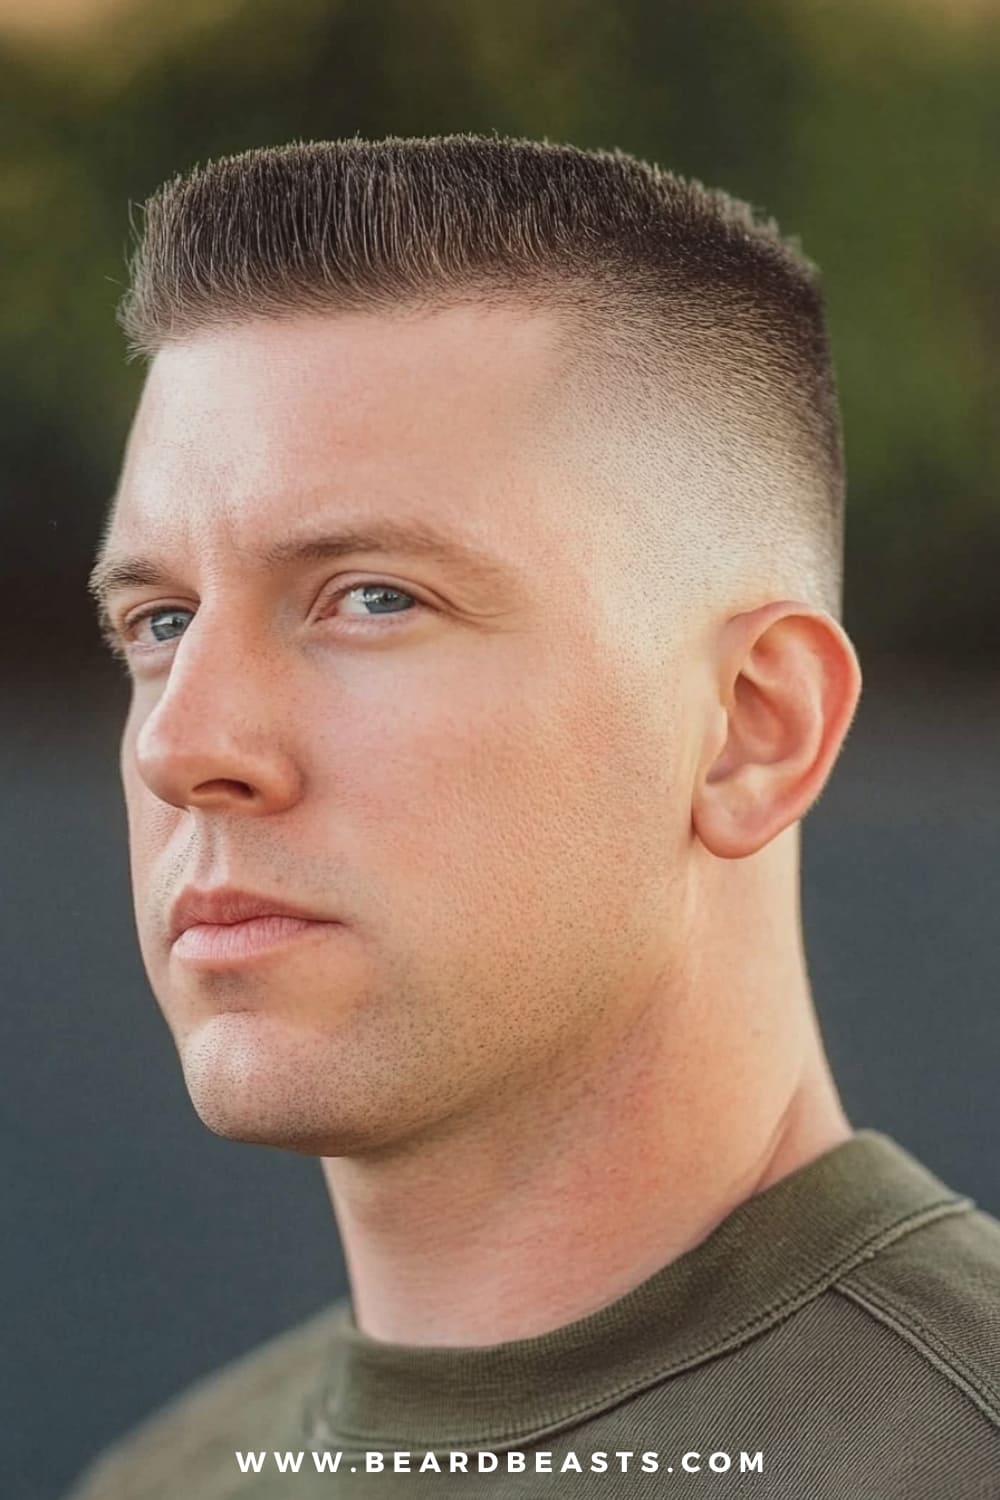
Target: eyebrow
(114, 571)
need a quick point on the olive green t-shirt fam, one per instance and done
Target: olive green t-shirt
(836, 1337)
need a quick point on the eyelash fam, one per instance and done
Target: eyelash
(120, 641)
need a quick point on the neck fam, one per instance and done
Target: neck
(507, 1227)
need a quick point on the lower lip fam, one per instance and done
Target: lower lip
(234, 942)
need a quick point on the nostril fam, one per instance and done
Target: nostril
(226, 787)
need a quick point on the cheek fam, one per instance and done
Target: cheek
(536, 786)
(137, 803)
(151, 822)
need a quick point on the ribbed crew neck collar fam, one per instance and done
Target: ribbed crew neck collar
(774, 1252)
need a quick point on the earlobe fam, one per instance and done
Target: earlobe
(787, 685)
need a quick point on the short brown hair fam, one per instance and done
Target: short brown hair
(650, 268)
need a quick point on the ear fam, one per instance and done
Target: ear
(786, 686)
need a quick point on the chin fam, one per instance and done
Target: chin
(243, 1081)
(251, 1078)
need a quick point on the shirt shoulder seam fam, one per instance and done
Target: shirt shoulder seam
(918, 1334)
(115, 1460)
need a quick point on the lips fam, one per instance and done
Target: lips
(226, 905)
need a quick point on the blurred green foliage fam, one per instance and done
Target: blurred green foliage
(872, 132)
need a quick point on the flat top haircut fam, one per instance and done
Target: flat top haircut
(673, 297)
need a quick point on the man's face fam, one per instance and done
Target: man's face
(472, 776)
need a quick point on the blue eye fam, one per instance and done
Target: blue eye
(168, 622)
(171, 612)
(380, 590)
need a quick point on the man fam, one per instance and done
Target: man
(476, 562)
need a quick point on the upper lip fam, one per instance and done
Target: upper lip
(226, 904)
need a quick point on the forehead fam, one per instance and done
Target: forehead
(252, 423)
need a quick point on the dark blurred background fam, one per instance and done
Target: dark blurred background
(140, 1249)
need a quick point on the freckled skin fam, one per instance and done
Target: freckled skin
(566, 1022)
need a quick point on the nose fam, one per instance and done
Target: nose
(216, 737)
